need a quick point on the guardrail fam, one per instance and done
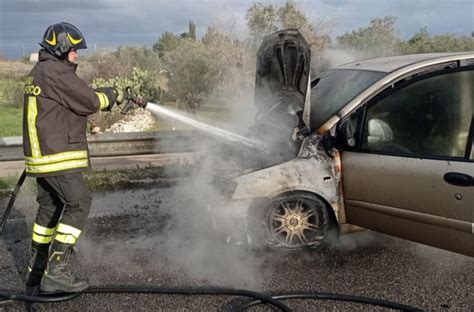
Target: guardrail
(120, 144)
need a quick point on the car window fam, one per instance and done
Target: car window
(335, 88)
(431, 117)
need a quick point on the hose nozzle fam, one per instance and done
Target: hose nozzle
(132, 99)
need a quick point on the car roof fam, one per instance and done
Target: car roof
(392, 63)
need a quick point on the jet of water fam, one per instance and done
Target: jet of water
(160, 110)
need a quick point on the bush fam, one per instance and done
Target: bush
(380, 38)
(141, 81)
(120, 63)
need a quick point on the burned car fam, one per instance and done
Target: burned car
(384, 144)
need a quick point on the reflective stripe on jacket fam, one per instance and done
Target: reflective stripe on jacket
(56, 105)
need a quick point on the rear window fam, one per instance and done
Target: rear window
(335, 88)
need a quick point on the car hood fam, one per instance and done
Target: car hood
(282, 99)
(281, 94)
(283, 75)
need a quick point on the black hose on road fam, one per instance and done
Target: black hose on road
(263, 298)
(337, 297)
(16, 190)
(42, 298)
(274, 300)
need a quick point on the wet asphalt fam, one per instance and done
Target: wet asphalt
(157, 237)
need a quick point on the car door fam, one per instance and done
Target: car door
(408, 165)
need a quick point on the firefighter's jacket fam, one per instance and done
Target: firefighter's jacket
(56, 105)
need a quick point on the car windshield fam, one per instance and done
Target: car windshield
(335, 88)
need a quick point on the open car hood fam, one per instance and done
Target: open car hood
(281, 96)
(283, 75)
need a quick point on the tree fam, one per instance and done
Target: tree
(192, 73)
(167, 43)
(234, 62)
(263, 20)
(380, 38)
(423, 42)
(317, 34)
(192, 31)
(420, 42)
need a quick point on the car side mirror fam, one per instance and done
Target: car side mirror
(346, 135)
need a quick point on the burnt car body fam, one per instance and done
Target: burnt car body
(384, 144)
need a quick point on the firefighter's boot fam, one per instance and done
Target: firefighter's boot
(58, 276)
(38, 261)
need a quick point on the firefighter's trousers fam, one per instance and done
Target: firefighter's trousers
(64, 204)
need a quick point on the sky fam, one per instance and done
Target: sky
(111, 23)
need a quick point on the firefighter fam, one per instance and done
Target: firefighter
(56, 105)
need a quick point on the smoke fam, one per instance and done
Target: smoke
(332, 57)
(204, 235)
(187, 233)
(197, 234)
(201, 250)
(351, 241)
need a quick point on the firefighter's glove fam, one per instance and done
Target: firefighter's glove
(120, 96)
(107, 98)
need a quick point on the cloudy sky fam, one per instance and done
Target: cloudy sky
(110, 23)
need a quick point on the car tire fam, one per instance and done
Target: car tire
(296, 220)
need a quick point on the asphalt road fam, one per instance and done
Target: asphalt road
(159, 237)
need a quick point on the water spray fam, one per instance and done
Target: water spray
(132, 99)
(160, 110)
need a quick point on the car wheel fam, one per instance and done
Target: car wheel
(297, 220)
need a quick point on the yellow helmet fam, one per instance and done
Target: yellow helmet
(61, 37)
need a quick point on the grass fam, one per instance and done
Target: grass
(8, 183)
(11, 92)
(108, 180)
(10, 121)
(11, 97)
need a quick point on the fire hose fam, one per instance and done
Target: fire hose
(270, 299)
(131, 99)
(11, 202)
